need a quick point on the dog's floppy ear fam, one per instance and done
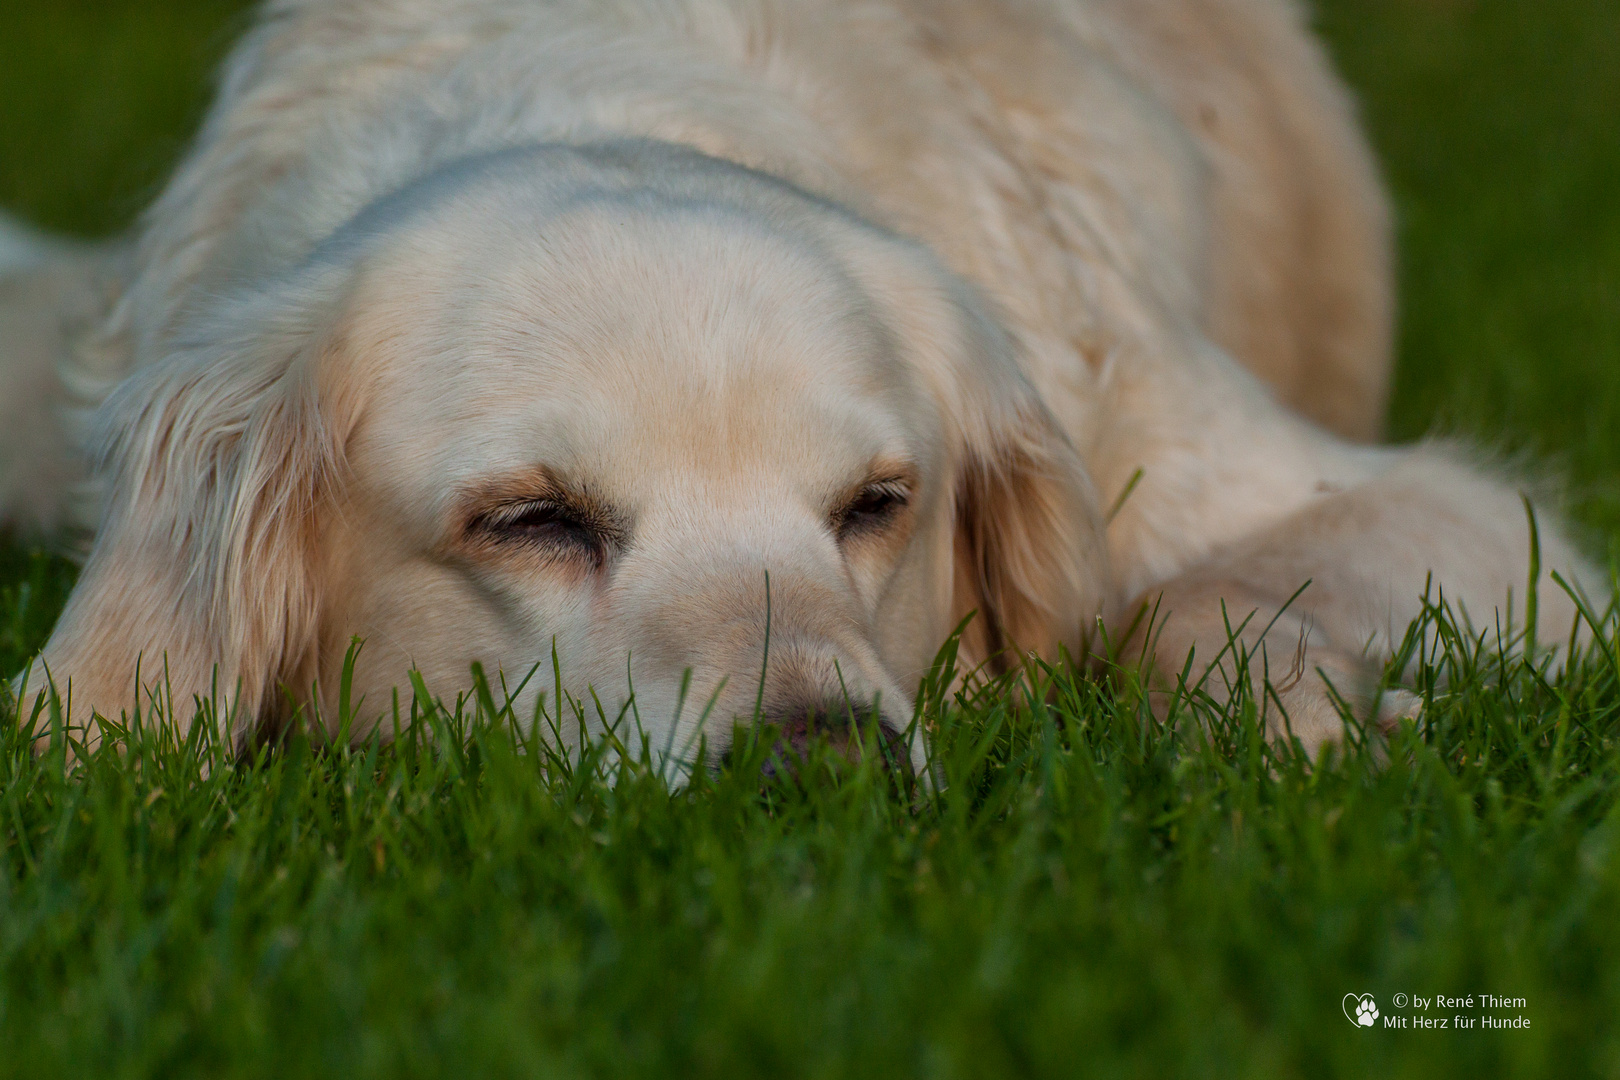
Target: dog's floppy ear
(1029, 551)
(217, 460)
(1030, 556)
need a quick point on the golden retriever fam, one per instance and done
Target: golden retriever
(644, 330)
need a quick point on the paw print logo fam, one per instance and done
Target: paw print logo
(1360, 1009)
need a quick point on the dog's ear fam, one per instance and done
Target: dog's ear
(1029, 551)
(218, 461)
(1030, 555)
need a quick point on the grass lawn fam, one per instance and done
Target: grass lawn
(1089, 895)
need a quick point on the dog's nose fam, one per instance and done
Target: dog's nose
(847, 731)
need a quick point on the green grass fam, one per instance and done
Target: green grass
(1090, 894)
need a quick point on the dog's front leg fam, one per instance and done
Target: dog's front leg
(1305, 613)
(1222, 638)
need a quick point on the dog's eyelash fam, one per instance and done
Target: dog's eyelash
(876, 504)
(543, 521)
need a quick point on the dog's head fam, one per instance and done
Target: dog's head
(629, 407)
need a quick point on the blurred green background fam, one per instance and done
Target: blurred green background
(1498, 124)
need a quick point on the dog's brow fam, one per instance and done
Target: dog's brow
(536, 483)
(890, 471)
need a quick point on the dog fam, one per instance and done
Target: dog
(729, 354)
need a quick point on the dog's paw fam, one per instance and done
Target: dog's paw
(1395, 705)
(1314, 704)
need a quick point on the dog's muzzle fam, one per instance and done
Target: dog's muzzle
(850, 733)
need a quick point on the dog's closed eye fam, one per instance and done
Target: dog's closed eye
(873, 508)
(546, 523)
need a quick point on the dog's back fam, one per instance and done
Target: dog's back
(1199, 151)
(1299, 285)
(1201, 147)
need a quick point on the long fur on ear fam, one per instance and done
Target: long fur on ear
(1029, 552)
(202, 573)
(1030, 556)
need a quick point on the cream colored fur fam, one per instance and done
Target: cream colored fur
(707, 267)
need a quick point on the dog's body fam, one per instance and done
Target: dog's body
(1042, 296)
